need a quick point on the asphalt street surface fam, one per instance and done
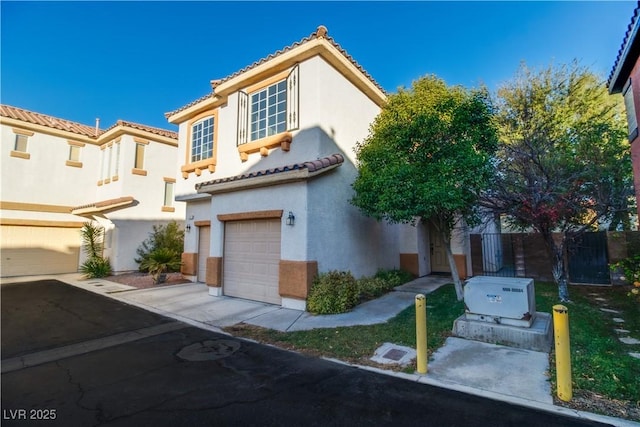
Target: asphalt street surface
(69, 359)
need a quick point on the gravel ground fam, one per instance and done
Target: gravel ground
(144, 280)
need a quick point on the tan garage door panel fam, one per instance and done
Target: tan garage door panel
(204, 235)
(251, 259)
(30, 250)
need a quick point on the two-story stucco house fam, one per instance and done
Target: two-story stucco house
(58, 174)
(625, 79)
(266, 163)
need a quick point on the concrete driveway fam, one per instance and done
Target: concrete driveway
(81, 359)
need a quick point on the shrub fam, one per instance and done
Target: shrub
(333, 292)
(159, 262)
(96, 267)
(394, 277)
(92, 239)
(373, 287)
(170, 237)
(631, 269)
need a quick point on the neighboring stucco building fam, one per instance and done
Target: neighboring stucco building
(57, 174)
(625, 79)
(266, 163)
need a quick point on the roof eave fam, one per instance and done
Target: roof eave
(119, 130)
(626, 61)
(264, 181)
(319, 46)
(204, 105)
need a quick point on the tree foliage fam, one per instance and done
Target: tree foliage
(427, 157)
(563, 163)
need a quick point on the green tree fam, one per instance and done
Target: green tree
(427, 158)
(170, 237)
(563, 163)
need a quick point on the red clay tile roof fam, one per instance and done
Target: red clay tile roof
(48, 121)
(321, 32)
(77, 128)
(311, 166)
(154, 130)
(624, 59)
(102, 205)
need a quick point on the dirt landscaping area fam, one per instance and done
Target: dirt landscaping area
(144, 281)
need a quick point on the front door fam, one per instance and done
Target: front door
(439, 261)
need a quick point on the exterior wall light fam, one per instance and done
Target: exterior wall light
(291, 219)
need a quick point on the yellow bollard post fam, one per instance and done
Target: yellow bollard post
(563, 352)
(421, 333)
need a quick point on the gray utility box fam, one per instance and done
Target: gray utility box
(502, 300)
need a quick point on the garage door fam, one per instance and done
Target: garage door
(251, 259)
(28, 250)
(204, 234)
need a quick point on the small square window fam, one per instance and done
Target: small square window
(139, 161)
(168, 193)
(629, 105)
(74, 153)
(21, 143)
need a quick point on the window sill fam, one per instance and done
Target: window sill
(198, 167)
(20, 154)
(140, 172)
(168, 209)
(282, 140)
(73, 164)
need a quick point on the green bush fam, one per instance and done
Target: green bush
(96, 267)
(394, 277)
(169, 237)
(333, 292)
(159, 262)
(373, 287)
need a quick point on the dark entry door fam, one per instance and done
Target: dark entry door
(588, 259)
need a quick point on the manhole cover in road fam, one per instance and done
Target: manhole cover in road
(208, 350)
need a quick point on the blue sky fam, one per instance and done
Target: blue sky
(137, 60)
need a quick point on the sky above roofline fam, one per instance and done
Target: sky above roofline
(134, 61)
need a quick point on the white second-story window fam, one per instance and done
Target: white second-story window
(21, 143)
(116, 168)
(168, 193)
(202, 139)
(268, 110)
(74, 153)
(139, 159)
(629, 105)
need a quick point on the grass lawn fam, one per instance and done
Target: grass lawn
(605, 378)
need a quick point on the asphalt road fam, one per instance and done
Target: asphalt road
(74, 358)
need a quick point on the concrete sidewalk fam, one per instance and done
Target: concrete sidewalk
(498, 372)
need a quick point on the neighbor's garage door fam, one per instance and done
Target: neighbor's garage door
(28, 250)
(204, 237)
(251, 258)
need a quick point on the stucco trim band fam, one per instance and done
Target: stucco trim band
(461, 263)
(240, 216)
(409, 263)
(189, 263)
(296, 278)
(213, 276)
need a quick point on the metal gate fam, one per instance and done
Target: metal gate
(497, 255)
(588, 259)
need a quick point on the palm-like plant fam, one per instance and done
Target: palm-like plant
(92, 239)
(159, 262)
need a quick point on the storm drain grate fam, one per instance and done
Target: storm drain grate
(208, 350)
(390, 353)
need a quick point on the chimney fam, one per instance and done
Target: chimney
(97, 126)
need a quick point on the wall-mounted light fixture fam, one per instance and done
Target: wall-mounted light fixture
(291, 219)
(188, 228)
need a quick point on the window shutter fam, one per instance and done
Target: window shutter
(243, 111)
(293, 99)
